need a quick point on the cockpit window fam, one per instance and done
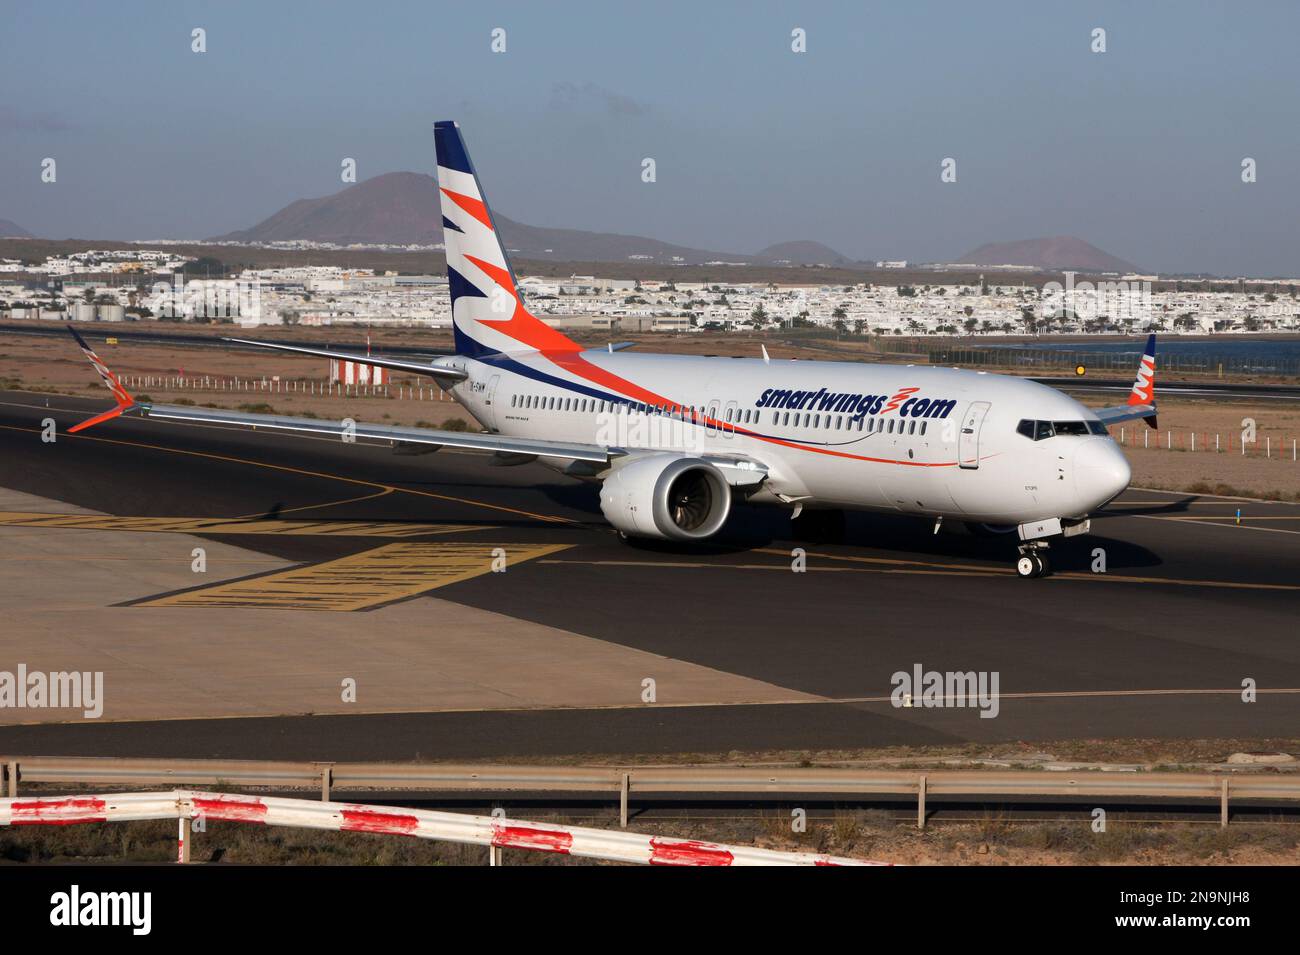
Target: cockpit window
(1041, 430)
(1070, 427)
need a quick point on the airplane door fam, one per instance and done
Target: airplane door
(968, 439)
(488, 395)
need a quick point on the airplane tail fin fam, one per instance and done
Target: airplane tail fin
(488, 314)
(123, 397)
(1144, 386)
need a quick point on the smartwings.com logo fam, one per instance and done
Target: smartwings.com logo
(905, 401)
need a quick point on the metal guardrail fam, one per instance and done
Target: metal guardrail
(489, 831)
(623, 781)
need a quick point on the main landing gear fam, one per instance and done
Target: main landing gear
(1033, 560)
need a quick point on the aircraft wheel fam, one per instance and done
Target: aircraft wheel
(1044, 568)
(1027, 567)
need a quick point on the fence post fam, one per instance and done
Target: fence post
(13, 778)
(326, 780)
(494, 855)
(622, 799)
(1223, 803)
(920, 804)
(183, 841)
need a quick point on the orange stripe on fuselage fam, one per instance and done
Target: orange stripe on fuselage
(578, 365)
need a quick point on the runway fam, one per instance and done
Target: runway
(1191, 604)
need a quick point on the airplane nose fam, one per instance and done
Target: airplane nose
(1100, 471)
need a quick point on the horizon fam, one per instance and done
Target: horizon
(1136, 150)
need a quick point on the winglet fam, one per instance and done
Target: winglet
(1144, 386)
(123, 397)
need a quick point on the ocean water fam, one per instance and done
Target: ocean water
(1226, 347)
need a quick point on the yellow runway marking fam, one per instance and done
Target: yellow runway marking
(290, 470)
(1111, 578)
(1215, 523)
(968, 568)
(695, 565)
(360, 581)
(880, 565)
(1029, 697)
(219, 525)
(320, 507)
(1233, 517)
(1233, 502)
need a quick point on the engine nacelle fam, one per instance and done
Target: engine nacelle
(668, 497)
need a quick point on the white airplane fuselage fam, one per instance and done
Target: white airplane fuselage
(920, 440)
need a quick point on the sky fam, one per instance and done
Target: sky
(1137, 149)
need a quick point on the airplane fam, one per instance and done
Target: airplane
(675, 440)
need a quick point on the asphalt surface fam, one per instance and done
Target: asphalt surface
(1191, 605)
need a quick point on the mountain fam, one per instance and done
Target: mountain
(12, 230)
(1053, 254)
(401, 208)
(804, 252)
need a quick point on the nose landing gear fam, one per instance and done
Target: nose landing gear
(1033, 560)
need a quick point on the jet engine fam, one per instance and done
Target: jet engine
(667, 497)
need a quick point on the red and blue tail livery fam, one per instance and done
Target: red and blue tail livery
(488, 314)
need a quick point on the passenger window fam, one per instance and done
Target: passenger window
(923, 424)
(839, 421)
(911, 428)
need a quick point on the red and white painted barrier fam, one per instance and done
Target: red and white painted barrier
(357, 373)
(614, 846)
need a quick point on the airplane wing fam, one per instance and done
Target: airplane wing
(428, 438)
(397, 364)
(1142, 399)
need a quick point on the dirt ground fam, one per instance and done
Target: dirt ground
(42, 364)
(1205, 471)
